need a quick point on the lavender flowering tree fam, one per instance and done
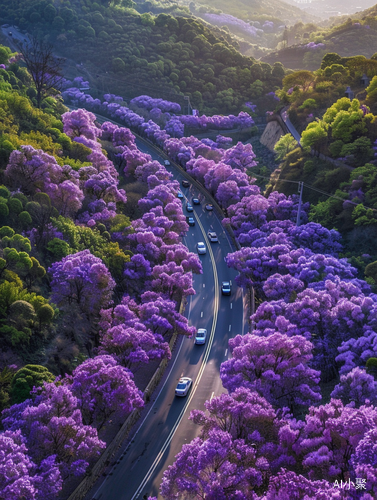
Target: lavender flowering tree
(52, 426)
(355, 388)
(80, 122)
(20, 477)
(217, 467)
(103, 388)
(276, 366)
(81, 279)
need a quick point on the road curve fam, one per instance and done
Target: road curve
(161, 434)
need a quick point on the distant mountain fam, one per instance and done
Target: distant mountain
(353, 37)
(259, 9)
(327, 8)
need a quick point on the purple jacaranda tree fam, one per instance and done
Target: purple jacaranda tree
(103, 186)
(104, 389)
(159, 225)
(364, 462)
(355, 388)
(216, 468)
(127, 338)
(284, 287)
(172, 281)
(228, 193)
(334, 312)
(287, 485)
(136, 273)
(244, 414)
(107, 131)
(329, 437)
(33, 170)
(123, 137)
(81, 279)
(241, 156)
(52, 426)
(80, 122)
(277, 367)
(152, 168)
(255, 265)
(19, 475)
(315, 237)
(356, 351)
(199, 167)
(161, 316)
(66, 196)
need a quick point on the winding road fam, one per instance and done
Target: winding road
(165, 428)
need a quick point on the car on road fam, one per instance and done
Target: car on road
(189, 207)
(166, 163)
(209, 207)
(10, 33)
(191, 221)
(180, 195)
(212, 236)
(200, 337)
(183, 386)
(185, 183)
(201, 248)
(225, 288)
(195, 201)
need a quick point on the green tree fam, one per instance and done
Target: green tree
(25, 379)
(285, 145)
(314, 136)
(329, 59)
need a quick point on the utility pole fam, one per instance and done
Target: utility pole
(187, 98)
(300, 189)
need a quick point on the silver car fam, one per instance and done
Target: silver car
(200, 337)
(212, 237)
(183, 386)
(201, 248)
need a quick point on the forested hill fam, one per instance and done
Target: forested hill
(262, 9)
(122, 51)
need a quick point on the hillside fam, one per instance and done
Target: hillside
(351, 38)
(258, 10)
(121, 51)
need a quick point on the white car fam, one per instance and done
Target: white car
(201, 248)
(166, 163)
(183, 386)
(201, 335)
(212, 236)
(226, 288)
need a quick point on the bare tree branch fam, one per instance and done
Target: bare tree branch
(44, 68)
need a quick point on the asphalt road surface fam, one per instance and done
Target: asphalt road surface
(166, 427)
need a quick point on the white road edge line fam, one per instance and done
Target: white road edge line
(147, 415)
(197, 380)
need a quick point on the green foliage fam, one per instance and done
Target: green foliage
(329, 59)
(285, 145)
(6, 376)
(372, 91)
(45, 314)
(371, 366)
(364, 216)
(371, 271)
(313, 136)
(358, 152)
(308, 104)
(26, 378)
(58, 248)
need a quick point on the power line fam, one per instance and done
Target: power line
(316, 189)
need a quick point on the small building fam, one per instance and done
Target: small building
(364, 80)
(349, 93)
